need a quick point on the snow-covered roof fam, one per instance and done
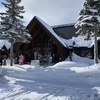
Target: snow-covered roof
(63, 25)
(78, 41)
(51, 31)
(81, 42)
(5, 43)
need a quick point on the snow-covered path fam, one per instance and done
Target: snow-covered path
(63, 81)
(18, 89)
(70, 75)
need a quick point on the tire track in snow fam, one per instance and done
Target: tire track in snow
(16, 96)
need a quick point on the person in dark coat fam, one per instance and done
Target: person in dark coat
(0, 59)
(71, 53)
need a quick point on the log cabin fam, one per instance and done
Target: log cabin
(47, 41)
(52, 41)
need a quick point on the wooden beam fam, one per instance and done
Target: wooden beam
(17, 48)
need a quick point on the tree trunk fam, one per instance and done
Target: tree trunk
(95, 47)
(11, 55)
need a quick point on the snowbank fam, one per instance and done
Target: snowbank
(82, 61)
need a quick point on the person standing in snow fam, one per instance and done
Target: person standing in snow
(71, 53)
(20, 59)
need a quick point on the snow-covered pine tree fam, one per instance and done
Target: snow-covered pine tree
(88, 23)
(11, 25)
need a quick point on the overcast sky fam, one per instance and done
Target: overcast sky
(53, 12)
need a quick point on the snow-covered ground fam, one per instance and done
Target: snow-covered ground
(77, 80)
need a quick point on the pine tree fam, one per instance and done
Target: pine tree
(88, 23)
(11, 25)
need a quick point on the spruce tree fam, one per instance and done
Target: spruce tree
(11, 25)
(88, 23)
